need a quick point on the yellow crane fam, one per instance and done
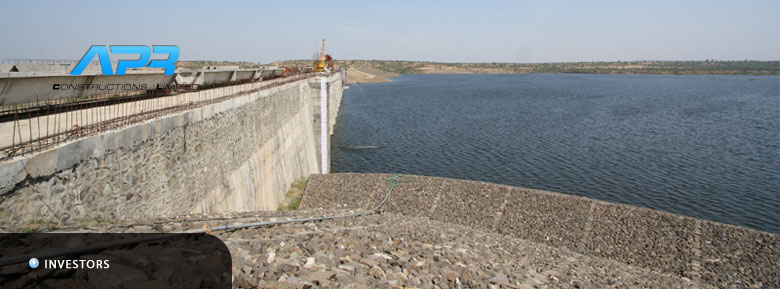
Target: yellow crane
(321, 62)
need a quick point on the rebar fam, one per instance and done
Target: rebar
(78, 125)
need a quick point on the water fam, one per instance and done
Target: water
(701, 146)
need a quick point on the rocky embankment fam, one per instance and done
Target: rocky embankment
(713, 254)
(444, 233)
(367, 75)
(390, 250)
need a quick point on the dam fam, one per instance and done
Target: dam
(225, 155)
(224, 149)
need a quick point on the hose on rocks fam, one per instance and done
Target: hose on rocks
(394, 179)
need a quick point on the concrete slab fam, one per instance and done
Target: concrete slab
(9, 172)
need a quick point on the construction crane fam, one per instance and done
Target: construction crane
(325, 61)
(320, 65)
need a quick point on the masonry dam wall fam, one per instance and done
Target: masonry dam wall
(240, 154)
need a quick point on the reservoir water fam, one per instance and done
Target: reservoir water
(701, 146)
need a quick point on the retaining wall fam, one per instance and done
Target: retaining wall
(237, 155)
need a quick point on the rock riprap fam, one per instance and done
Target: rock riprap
(445, 233)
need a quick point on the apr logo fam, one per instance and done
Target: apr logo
(145, 53)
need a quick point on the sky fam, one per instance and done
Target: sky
(442, 31)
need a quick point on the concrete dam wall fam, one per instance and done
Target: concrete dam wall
(240, 154)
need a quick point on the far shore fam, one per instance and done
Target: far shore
(383, 70)
(355, 75)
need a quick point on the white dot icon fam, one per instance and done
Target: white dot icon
(34, 263)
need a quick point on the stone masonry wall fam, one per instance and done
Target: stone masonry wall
(237, 155)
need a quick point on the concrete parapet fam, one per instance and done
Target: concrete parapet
(25, 87)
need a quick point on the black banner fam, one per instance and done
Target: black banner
(104, 260)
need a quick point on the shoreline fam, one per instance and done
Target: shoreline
(355, 75)
(389, 68)
(370, 78)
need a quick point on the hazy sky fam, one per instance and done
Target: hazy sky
(451, 31)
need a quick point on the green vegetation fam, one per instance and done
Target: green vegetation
(293, 197)
(37, 225)
(97, 220)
